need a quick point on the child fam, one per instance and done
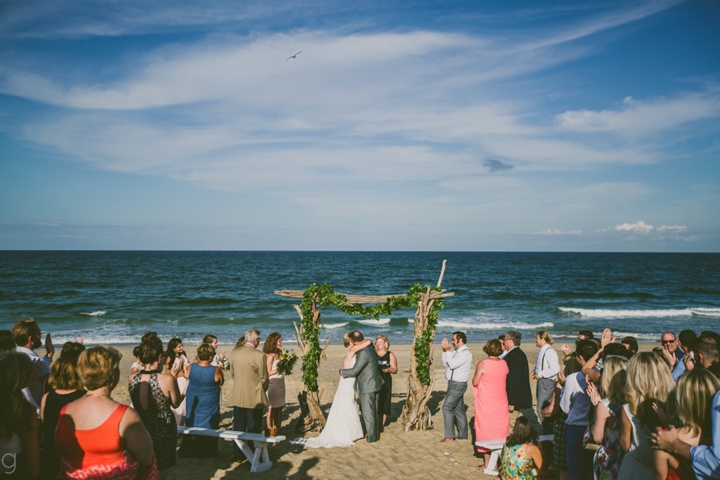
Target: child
(521, 455)
(695, 390)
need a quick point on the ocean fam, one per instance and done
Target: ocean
(115, 296)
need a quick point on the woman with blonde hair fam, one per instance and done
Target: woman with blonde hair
(96, 435)
(648, 379)
(19, 438)
(387, 363)
(695, 391)
(605, 429)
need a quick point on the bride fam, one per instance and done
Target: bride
(343, 425)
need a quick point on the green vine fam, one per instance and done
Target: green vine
(325, 296)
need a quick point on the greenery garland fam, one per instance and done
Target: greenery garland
(326, 296)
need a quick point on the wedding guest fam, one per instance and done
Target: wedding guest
(576, 404)
(137, 364)
(64, 387)
(518, 381)
(546, 369)
(695, 392)
(501, 338)
(6, 341)
(240, 342)
(492, 417)
(248, 368)
(176, 363)
(457, 371)
(584, 335)
(631, 344)
(153, 395)
(705, 352)
(27, 338)
(276, 386)
(219, 358)
(705, 459)
(608, 401)
(648, 378)
(521, 454)
(559, 460)
(686, 342)
(202, 404)
(19, 436)
(97, 436)
(387, 364)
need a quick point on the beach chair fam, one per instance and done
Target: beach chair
(495, 447)
(259, 459)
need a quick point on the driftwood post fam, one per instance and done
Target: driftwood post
(311, 416)
(415, 413)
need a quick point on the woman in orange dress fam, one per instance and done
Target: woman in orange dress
(492, 418)
(97, 437)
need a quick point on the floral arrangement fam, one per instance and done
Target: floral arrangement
(286, 362)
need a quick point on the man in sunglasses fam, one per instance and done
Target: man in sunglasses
(671, 353)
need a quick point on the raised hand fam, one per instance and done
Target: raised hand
(594, 393)
(565, 349)
(607, 338)
(49, 347)
(445, 345)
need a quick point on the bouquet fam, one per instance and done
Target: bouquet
(286, 362)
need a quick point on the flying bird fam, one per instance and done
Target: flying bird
(293, 56)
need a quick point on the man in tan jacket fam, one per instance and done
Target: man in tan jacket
(250, 382)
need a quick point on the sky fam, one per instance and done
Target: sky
(426, 125)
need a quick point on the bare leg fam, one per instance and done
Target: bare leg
(269, 417)
(277, 417)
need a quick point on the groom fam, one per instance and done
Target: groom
(368, 383)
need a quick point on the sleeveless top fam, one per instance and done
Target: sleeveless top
(515, 464)
(158, 417)
(101, 445)
(274, 367)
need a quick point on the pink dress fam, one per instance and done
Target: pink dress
(492, 419)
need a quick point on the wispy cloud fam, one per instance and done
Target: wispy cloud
(637, 227)
(494, 165)
(554, 231)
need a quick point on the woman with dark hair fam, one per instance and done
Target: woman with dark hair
(276, 387)
(64, 387)
(175, 362)
(492, 417)
(19, 439)
(202, 404)
(521, 454)
(154, 395)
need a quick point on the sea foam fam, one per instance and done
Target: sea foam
(671, 312)
(94, 314)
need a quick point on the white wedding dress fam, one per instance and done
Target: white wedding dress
(343, 425)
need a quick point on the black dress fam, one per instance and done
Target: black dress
(49, 459)
(158, 419)
(385, 394)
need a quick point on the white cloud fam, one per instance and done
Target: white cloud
(639, 118)
(672, 228)
(637, 227)
(555, 231)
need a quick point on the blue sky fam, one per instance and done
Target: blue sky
(401, 126)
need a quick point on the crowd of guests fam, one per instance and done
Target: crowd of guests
(59, 419)
(612, 413)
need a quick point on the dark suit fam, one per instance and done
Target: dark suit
(368, 383)
(518, 388)
(518, 379)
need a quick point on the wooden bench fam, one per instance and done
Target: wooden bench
(495, 447)
(259, 459)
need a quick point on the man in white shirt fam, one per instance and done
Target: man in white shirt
(546, 369)
(27, 337)
(575, 402)
(458, 364)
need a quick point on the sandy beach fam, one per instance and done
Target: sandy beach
(416, 455)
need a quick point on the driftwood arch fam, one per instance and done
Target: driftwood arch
(421, 379)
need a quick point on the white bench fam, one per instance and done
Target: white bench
(242, 440)
(495, 447)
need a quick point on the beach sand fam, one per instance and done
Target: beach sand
(412, 455)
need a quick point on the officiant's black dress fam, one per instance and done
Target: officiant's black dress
(385, 394)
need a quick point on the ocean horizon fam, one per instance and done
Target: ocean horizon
(115, 296)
